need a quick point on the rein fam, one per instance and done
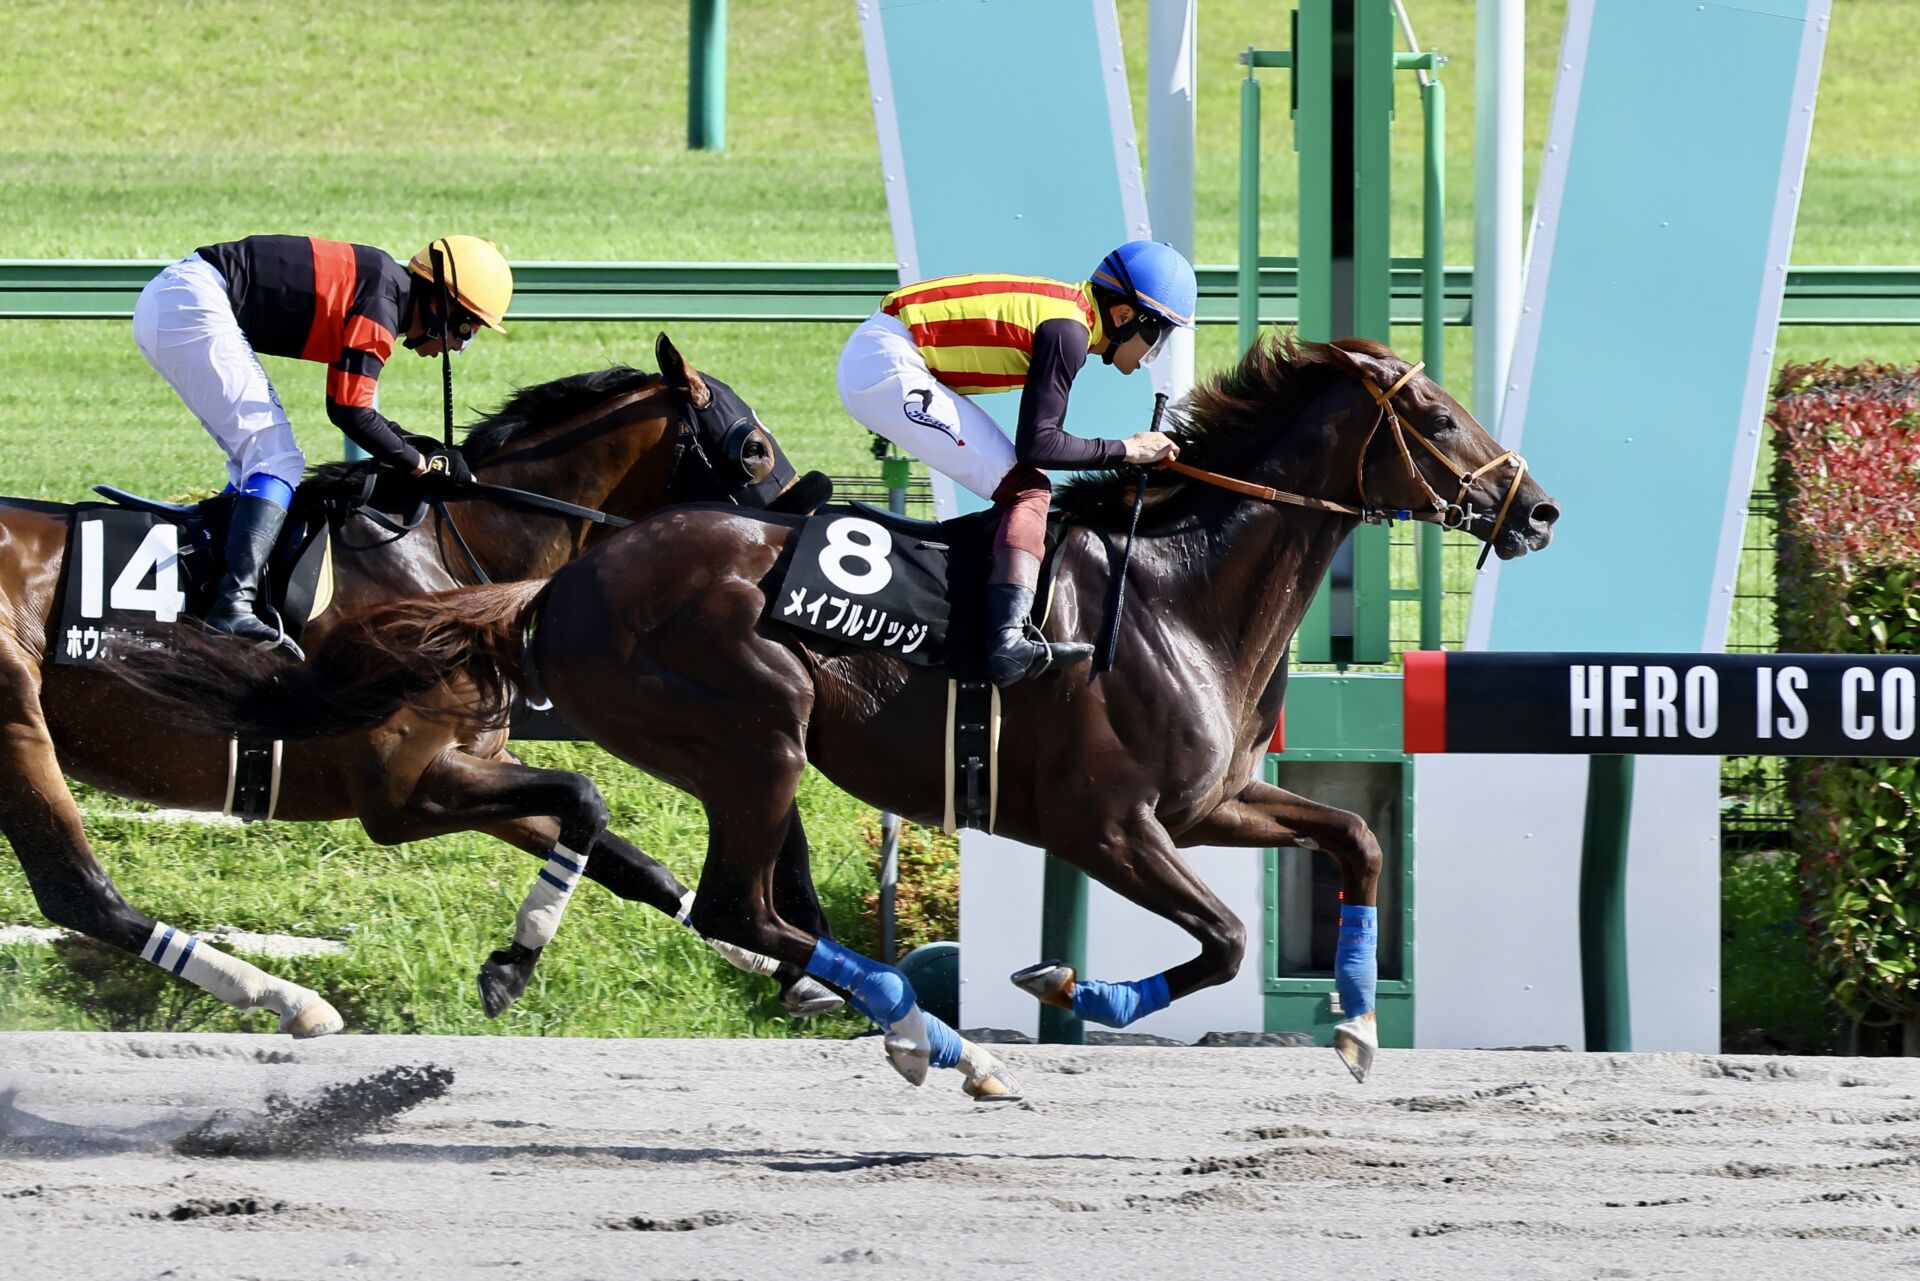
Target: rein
(1448, 515)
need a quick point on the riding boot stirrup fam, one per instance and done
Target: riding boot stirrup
(1016, 649)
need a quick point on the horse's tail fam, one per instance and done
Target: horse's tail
(375, 663)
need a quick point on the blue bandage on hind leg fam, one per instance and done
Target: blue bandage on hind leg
(1355, 969)
(1118, 1004)
(878, 991)
(270, 487)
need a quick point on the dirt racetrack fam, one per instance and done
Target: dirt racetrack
(420, 1157)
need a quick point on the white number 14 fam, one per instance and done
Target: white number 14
(158, 554)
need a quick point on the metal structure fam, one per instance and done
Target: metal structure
(846, 293)
(707, 75)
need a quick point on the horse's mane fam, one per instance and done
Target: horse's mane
(1226, 420)
(527, 410)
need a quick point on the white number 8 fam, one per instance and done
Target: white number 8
(870, 549)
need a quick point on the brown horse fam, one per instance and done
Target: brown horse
(605, 441)
(662, 647)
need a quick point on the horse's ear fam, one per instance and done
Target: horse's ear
(1381, 371)
(679, 375)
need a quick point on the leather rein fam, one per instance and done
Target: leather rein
(1448, 515)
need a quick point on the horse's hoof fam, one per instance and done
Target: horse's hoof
(807, 997)
(995, 1085)
(1050, 982)
(909, 1048)
(1355, 1041)
(315, 1018)
(505, 977)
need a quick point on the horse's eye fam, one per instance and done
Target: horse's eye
(1442, 424)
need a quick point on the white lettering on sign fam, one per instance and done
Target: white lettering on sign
(1897, 711)
(1628, 701)
(1896, 704)
(1623, 705)
(1703, 702)
(1584, 700)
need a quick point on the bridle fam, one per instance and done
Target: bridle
(1457, 514)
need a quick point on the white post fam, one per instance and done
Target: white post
(1499, 103)
(1171, 36)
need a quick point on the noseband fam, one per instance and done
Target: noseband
(1448, 515)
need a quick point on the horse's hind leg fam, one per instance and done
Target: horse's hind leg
(39, 817)
(544, 811)
(1263, 816)
(1135, 857)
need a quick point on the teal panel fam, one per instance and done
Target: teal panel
(1010, 161)
(1659, 269)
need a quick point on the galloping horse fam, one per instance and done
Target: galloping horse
(662, 647)
(609, 441)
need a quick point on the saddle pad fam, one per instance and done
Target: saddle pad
(128, 574)
(125, 577)
(867, 586)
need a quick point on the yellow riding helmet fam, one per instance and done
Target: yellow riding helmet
(475, 272)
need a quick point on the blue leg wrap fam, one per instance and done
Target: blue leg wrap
(1118, 1004)
(1355, 970)
(880, 992)
(946, 1042)
(270, 487)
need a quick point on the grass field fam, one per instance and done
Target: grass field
(558, 129)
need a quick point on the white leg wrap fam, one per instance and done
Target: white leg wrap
(546, 902)
(239, 984)
(741, 959)
(686, 908)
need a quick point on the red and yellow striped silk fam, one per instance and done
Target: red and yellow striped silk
(976, 332)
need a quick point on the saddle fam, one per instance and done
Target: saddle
(135, 564)
(858, 577)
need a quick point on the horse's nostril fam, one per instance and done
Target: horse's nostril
(1544, 514)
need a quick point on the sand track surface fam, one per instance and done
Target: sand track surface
(427, 1157)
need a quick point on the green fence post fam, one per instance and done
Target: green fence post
(1063, 937)
(1603, 903)
(1433, 345)
(707, 75)
(1249, 206)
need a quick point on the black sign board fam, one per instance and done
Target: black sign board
(1663, 704)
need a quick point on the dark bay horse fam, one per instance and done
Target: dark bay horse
(602, 440)
(661, 646)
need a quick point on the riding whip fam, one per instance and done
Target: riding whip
(1126, 554)
(446, 338)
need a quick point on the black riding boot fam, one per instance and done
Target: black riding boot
(1016, 651)
(255, 526)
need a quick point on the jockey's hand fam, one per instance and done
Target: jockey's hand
(1151, 448)
(445, 465)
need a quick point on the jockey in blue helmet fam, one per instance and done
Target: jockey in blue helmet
(909, 374)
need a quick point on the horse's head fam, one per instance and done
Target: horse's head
(1425, 454)
(723, 452)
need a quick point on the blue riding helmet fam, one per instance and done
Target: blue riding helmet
(1158, 281)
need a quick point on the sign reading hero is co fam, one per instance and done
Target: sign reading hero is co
(1663, 704)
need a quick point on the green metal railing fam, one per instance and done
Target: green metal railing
(847, 293)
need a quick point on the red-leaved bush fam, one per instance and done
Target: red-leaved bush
(1847, 472)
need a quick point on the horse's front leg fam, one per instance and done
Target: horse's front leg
(1264, 816)
(1133, 855)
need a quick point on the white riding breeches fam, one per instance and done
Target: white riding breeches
(185, 327)
(886, 385)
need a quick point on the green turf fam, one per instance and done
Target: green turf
(559, 130)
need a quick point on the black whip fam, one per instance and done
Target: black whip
(1126, 554)
(445, 302)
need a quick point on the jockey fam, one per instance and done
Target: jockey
(201, 321)
(909, 370)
